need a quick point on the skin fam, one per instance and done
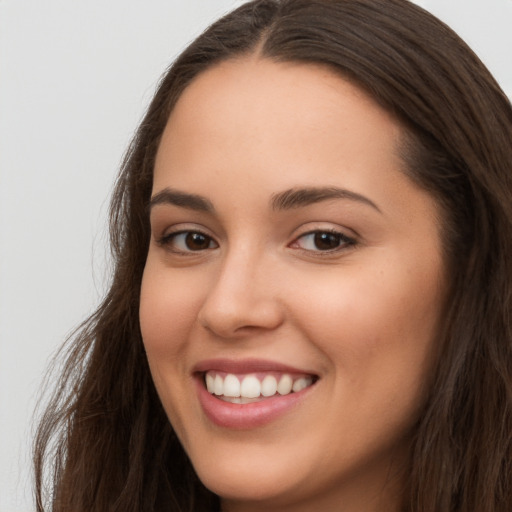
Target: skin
(364, 317)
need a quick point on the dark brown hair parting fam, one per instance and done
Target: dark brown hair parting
(104, 442)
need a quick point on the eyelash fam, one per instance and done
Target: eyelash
(169, 241)
(342, 241)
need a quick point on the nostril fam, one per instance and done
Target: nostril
(239, 320)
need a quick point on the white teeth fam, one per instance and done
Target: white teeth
(251, 388)
(269, 386)
(210, 383)
(231, 386)
(301, 384)
(218, 385)
(285, 385)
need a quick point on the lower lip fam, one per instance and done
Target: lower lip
(247, 416)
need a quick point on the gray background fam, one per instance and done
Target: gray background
(75, 78)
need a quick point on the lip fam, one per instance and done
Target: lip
(247, 366)
(251, 415)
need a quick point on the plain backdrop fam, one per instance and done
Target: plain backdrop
(75, 78)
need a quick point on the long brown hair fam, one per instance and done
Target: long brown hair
(104, 442)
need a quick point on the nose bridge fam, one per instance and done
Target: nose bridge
(241, 294)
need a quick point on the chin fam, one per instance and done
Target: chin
(248, 480)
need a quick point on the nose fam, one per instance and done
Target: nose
(242, 298)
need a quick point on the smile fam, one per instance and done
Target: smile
(252, 393)
(250, 388)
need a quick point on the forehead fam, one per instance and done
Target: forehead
(276, 115)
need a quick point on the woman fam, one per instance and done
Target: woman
(311, 303)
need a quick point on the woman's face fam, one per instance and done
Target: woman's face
(289, 249)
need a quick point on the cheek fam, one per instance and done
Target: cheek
(377, 324)
(168, 308)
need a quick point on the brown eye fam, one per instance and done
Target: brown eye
(197, 241)
(327, 241)
(188, 241)
(324, 241)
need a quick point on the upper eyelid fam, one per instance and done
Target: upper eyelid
(324, 230)
(183, 227)
(168, 234)
(323, 226)
(164, 217)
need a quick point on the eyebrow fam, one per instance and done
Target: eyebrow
(182, 199)
(297, 197)
(286, 200)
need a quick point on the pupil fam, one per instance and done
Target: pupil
(196, 241)
(326, 241)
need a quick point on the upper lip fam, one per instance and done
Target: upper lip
(246, 366)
